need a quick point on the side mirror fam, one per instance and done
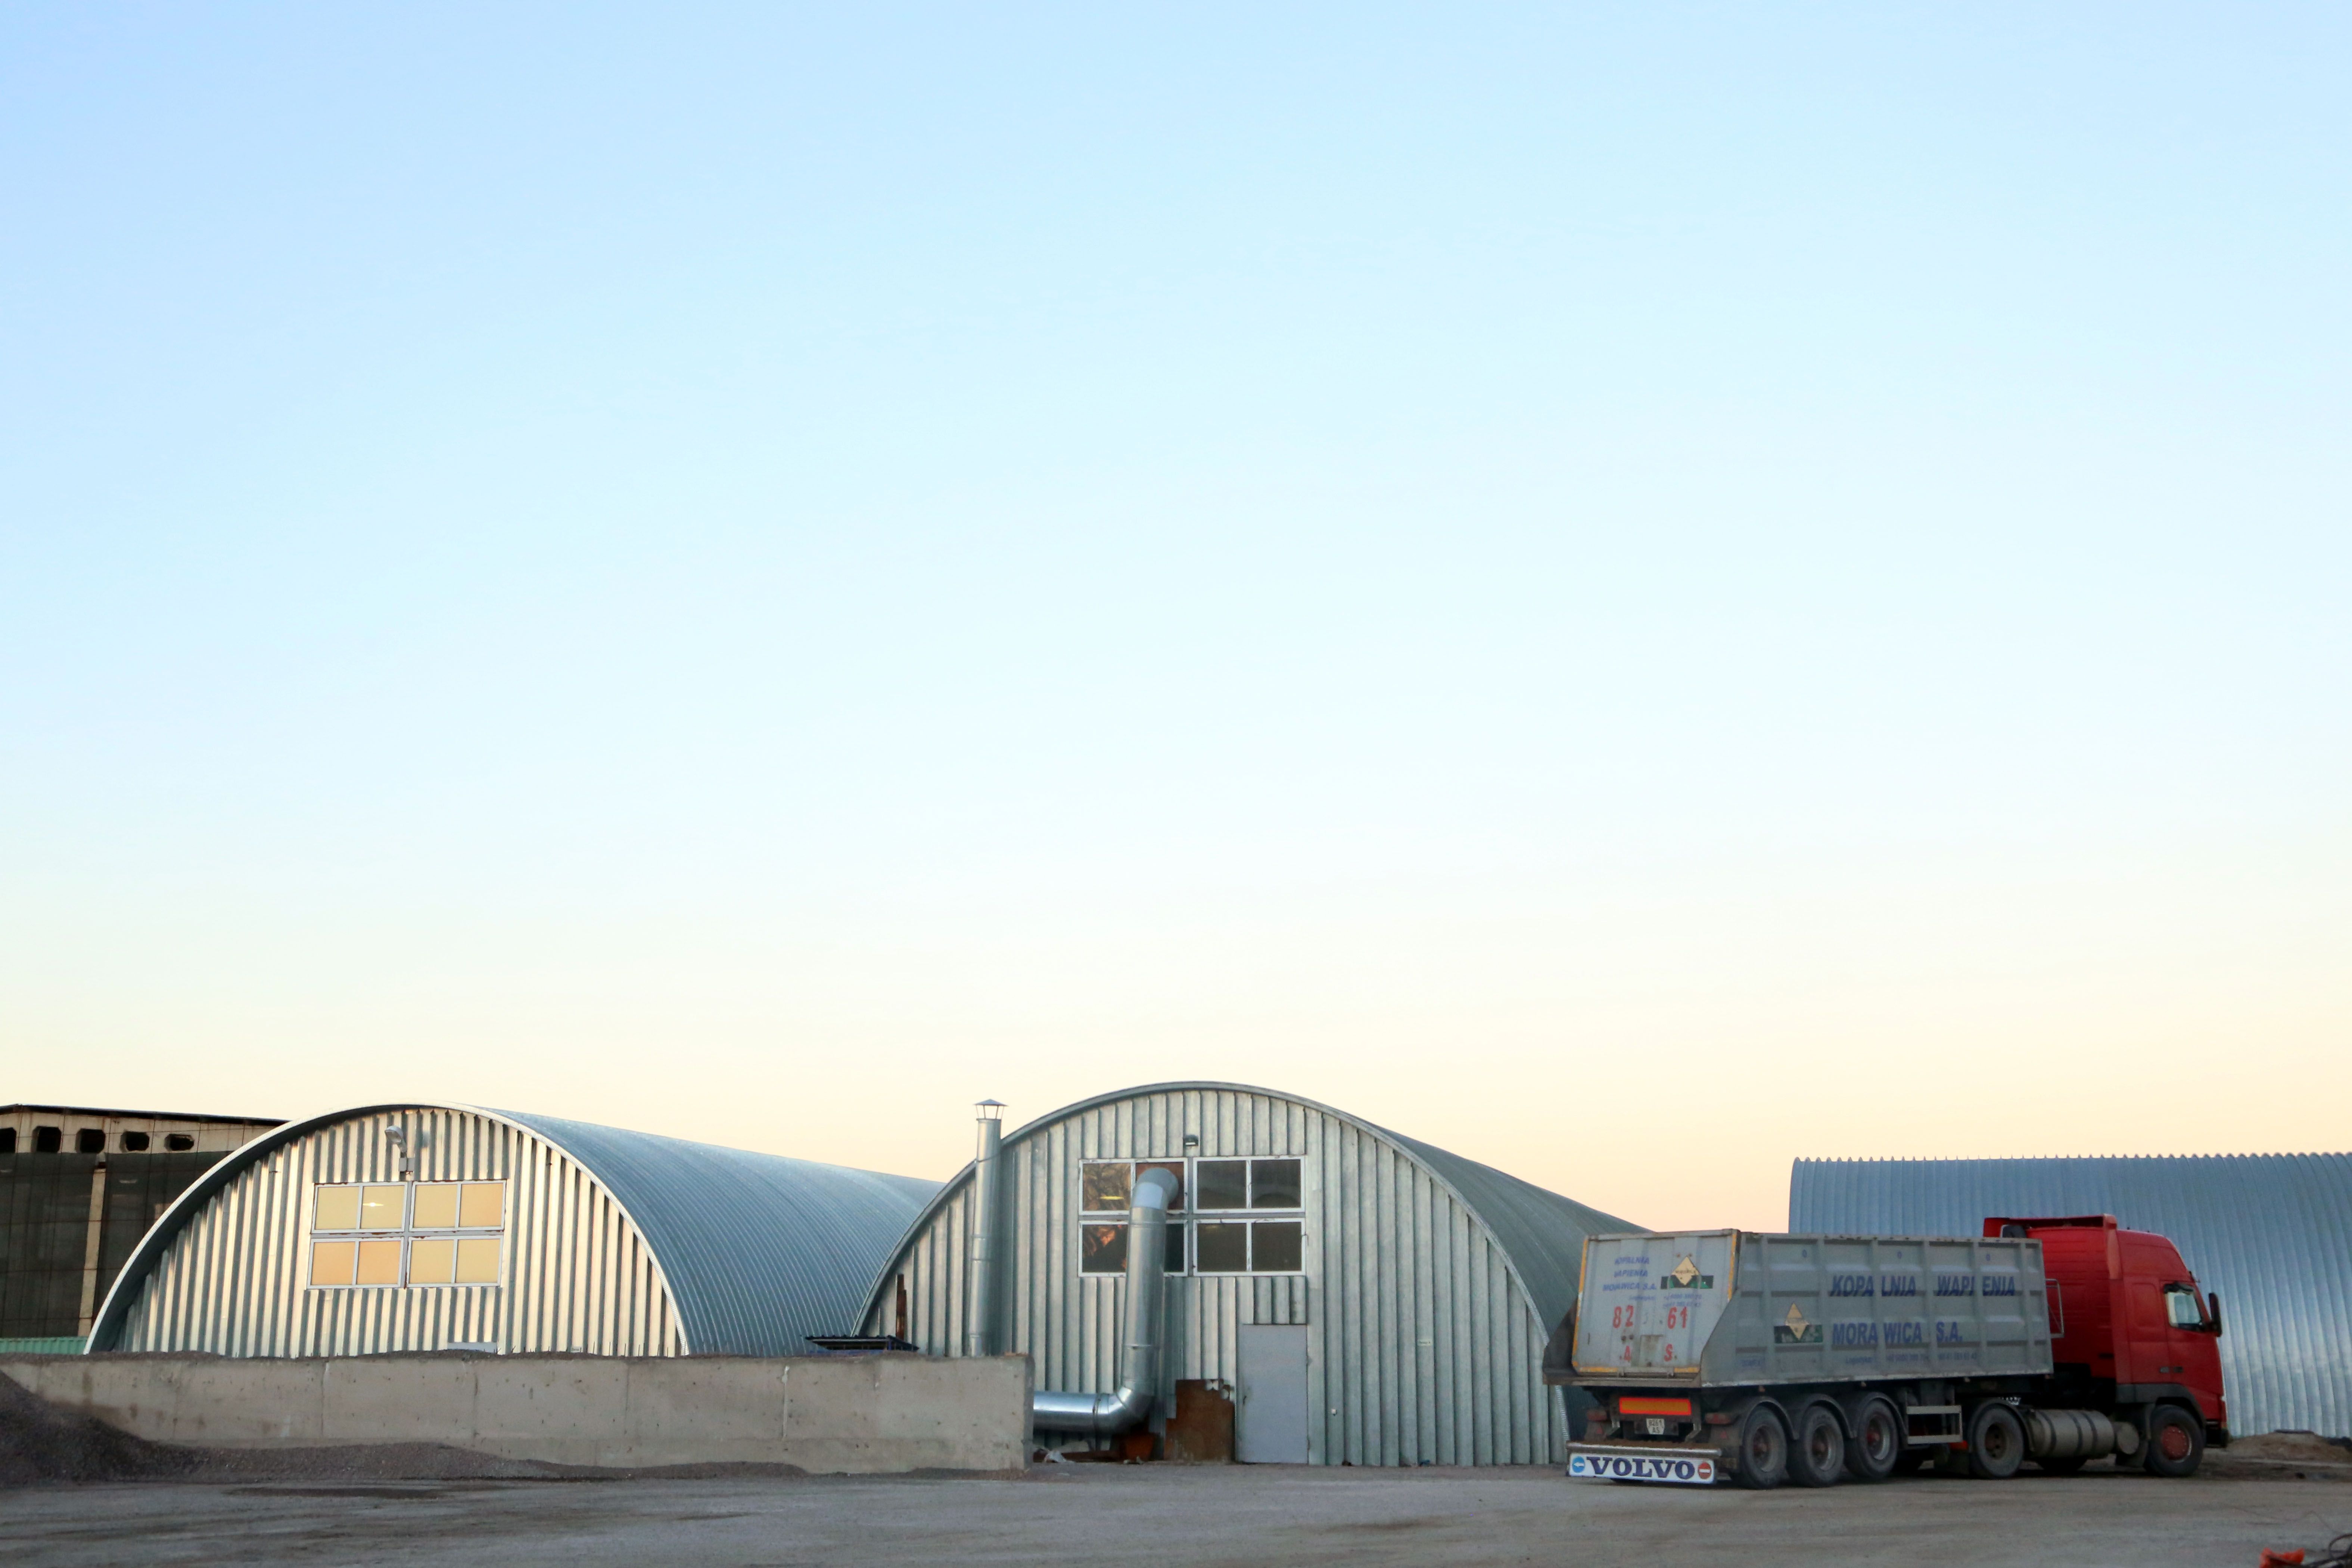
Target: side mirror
(2213, 1310)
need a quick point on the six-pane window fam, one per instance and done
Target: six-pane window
(412, 1233)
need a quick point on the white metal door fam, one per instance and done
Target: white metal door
(1270, 1423)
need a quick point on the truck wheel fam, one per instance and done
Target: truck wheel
(1996, 1443)
(1817, 1457)
(1763, 1450)
(1877, 1445)
(2176, 1442)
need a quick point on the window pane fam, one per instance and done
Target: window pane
(485, 1207)
(478, 1260)
(1224, 1184)
(383, 1209)
(1274, 1184)
(1104, 1186)
(437, 1206)
(432, 1262)
(1274, 1247)
(1174, 1168)
(1175, 1261)
(330, 1263)
(338, 1208)
(2181, 1309)
(1102, 1249)
(379, 1263)
(1220, 1249)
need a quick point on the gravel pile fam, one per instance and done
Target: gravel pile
(39, 1442)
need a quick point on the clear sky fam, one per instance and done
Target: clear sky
(1633, 590)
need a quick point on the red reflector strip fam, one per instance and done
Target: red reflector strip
(1632, 1406)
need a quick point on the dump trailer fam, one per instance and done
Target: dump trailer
(1750, 1358)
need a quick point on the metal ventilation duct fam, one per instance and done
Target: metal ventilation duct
(1107, 1414)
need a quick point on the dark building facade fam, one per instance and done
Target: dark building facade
(79, 1186)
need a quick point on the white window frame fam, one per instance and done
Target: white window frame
(407, 1235)
(1188, 1218)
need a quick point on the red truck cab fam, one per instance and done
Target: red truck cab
(2127, 1322)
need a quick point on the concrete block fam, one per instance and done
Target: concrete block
(243, 1403)
(398, 1399)
(566, 1409)
(706, 1409)
(855, 1414)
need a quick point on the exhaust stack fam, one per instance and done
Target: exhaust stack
(979, 1328)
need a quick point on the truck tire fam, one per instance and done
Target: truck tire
(1876, 1447)
(1817, 1447)
(1996, 1443)
(1763, 1450)
(2176, 1442)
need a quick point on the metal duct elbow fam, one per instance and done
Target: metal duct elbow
(1128, 1406)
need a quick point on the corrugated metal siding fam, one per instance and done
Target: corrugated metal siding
(1425, 1346)
(578, 1276)
(619, 1243)
(2273, 1233)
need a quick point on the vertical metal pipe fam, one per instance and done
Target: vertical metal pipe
(980, 1316)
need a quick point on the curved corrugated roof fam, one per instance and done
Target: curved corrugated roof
(758, 1250)
(1539, 1231)
(2273, 1233)
(1543, 1231)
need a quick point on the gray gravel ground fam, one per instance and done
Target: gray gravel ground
(1166, 1514)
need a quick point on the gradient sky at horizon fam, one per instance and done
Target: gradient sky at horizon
(1633, 592)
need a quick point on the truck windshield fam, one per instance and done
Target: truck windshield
(2181, 1309)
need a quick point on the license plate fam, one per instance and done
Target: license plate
(1623, 1465)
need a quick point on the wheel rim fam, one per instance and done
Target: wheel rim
(1821, 1448)
(2173, 1442)
(1995, 1440)
(1878, 1438)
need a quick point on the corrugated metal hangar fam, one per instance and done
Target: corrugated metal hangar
(2272, 1233)
(1368, 1299)
(79, 1186)
(429, 1226)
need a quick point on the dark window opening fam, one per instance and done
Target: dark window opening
(7, 1140)
(1276, 1246)
(134, 1142)
(179, 1143)
(1224, 1184)
(1221, 1248)
(90, 1141)
(1102, 1249)
(47, 1139)
(1274, 1184)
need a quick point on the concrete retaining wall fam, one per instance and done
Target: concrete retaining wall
(825, 1415)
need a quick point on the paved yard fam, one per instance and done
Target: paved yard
(1163, 1514)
